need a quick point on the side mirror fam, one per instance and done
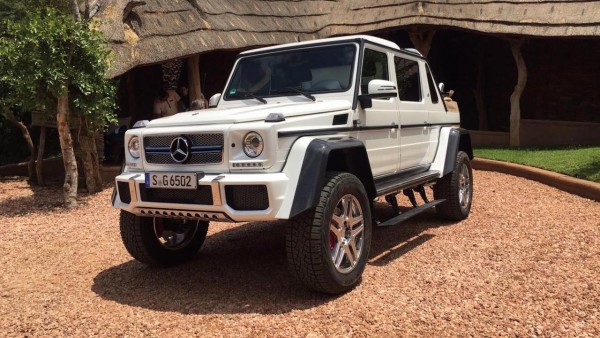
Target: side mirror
(441, 87)
(382, 89)
(378, 89)
(214, 100)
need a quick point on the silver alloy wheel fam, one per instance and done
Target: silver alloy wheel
(174, 234)
(464, 186)
(346, 234)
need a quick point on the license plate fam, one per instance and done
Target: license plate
(172, 180)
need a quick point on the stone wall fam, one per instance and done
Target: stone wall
(542, 133)
(548, 133)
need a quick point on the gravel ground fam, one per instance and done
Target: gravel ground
(525, 263)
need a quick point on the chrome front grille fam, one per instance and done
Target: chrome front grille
(206, 148)
(158, 141)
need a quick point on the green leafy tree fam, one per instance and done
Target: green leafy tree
(16, 10)
(55, 64)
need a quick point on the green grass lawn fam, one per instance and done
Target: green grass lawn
(580, 162)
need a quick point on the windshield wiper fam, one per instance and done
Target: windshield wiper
(248, 94)
(303, 93)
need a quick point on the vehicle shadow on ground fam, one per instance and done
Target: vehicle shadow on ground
(391, 243)
(239, 270)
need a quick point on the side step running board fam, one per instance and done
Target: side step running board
(410, 213)
(393, 184)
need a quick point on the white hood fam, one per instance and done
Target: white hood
(248, 114)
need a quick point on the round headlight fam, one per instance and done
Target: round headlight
(134, 147)
(253, 144)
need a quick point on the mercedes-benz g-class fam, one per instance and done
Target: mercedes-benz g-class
(311, 132)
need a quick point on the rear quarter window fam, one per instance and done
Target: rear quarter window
(408, 79)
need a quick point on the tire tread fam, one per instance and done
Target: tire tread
(303, 243)
(141, 246)
(447, 188)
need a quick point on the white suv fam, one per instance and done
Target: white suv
(309, 132)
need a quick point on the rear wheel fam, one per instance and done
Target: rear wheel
(328, 246)
(457, 189)
(161, 241)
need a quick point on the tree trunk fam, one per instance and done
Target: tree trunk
(90, 158)
(421, 39)
(515, 98)
(39, 168)
(86, 160)
(99, 160)
(96, 162)
(66, 146)
(87, 10)
(75, 11)
(195, 89)
(27, 136)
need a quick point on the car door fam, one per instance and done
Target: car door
(378, 128)
(414, 129)
(437, 114)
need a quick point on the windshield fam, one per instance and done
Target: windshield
(315, 70)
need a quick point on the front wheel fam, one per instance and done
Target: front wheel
(161, 241)
(328, 246)
(457, 189)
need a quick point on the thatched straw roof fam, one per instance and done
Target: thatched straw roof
(151, 31)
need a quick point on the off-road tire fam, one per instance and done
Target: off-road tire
(142, 244)
(308, 243)
(448, 188)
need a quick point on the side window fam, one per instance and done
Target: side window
(408, 78)
(375, 67)
(432, 88)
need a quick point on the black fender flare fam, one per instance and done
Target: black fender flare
(459, 139)
(322, 155)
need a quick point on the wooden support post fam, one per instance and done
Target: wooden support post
(515, 98)
(194, 87)
(421, 39)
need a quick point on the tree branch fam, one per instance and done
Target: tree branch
(87, 10)
(75, 10)
(515, 98)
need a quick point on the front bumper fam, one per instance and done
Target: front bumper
(217, 197)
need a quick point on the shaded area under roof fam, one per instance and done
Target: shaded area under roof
(152, 31)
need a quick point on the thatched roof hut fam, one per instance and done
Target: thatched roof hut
(478, 45)
(151, 31)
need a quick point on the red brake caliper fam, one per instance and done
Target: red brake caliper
(332, 240)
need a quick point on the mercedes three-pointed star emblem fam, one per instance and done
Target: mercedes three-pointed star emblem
(180, 149)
